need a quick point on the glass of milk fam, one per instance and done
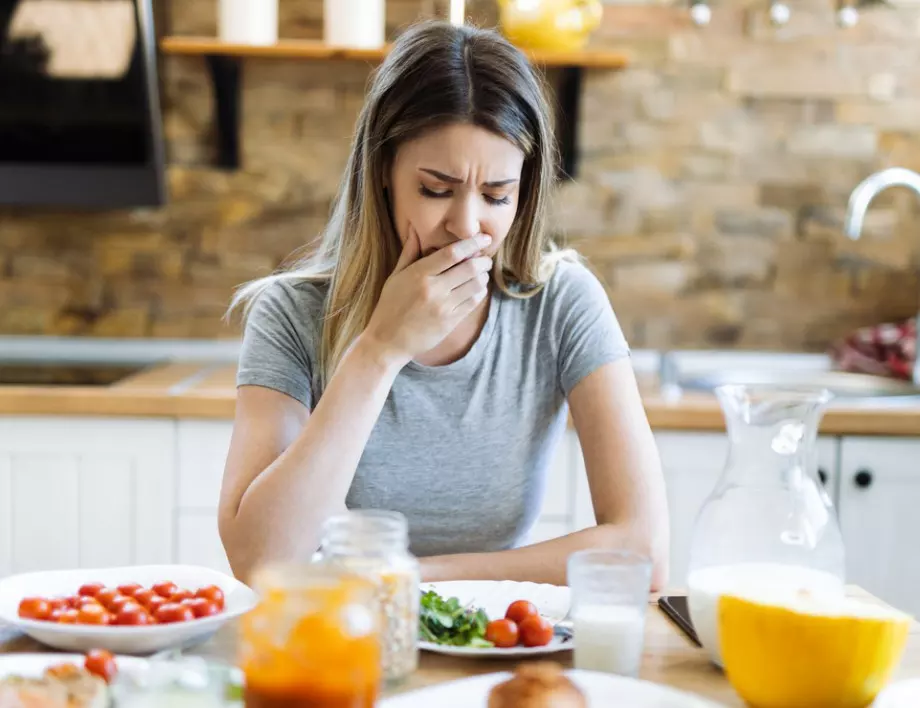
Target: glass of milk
(610, 591)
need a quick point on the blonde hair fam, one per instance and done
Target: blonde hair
(436, 74)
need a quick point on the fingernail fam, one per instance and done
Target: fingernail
(483, 240)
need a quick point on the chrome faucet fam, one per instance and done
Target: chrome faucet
(859, 202)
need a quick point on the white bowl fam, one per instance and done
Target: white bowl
(239, 599)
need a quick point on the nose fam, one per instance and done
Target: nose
(463, 219)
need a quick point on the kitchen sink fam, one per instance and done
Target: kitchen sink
(842, 385)
(61, 374)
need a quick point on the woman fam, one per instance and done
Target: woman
(423, 359)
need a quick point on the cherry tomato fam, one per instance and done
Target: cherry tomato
(502, 633)
(180, 595)
(58, 603)
(101, 663)
(173, 612)
(165, 589)
(68, 616)
(84, 600)
(74, 602)
(213, 594)
(519, 610)
(133, 614)
(34, 608)
(64, 615)
(90, 589)
(202, 607)
(156, 602)
(143, 596)
(119, 602)
(93, 614)
(535, 632)
(107, 596)
(129, 589)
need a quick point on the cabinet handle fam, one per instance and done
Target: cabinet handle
(863, 479)
(822, 475)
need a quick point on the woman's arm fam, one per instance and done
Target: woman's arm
(288, 470)
(627, 490)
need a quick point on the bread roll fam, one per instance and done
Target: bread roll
(537, 685)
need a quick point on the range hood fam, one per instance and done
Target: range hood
(80, 122)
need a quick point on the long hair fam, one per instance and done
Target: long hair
(436, 74)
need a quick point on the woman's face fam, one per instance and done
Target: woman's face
(454, 183)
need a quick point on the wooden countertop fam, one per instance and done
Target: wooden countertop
(208, 391)
(669, 658)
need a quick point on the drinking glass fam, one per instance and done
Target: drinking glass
(171, 679)
(610, 591)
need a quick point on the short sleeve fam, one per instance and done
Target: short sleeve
(279, 343)
(588, 333)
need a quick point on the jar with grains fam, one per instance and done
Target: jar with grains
(375, 544)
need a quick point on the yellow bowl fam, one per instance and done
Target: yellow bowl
(807, 652)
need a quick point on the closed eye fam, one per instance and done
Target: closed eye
(494, 201)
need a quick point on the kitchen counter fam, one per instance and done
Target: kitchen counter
(207, 390)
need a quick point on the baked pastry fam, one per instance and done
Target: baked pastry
(538, 685)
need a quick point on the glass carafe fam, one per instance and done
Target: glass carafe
(769, 526)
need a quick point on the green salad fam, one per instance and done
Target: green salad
(448, 622)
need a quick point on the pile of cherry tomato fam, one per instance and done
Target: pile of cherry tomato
(130, 604)
(522, 624)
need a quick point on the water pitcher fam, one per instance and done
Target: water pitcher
(769, 525)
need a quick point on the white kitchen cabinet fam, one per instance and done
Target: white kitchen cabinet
(202, 447)
(85, 492)
(879, 502)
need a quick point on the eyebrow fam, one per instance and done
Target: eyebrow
(456, 180)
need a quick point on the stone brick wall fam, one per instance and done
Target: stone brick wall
(714, 177)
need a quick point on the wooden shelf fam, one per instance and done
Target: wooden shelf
(315, 50)
(225, 63)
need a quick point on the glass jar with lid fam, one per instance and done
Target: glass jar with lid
(375, 545)
(313, 640)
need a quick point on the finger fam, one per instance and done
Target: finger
(410, 251)
(449, 256)
(475, 288)
(462, 272)
(471, 303)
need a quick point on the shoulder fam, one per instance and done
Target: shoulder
(296, 304)
(572, 280)
(574, 291)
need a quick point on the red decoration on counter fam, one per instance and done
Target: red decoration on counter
(887, 349)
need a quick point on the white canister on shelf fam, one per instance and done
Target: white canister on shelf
(360, 24)
(248, 21)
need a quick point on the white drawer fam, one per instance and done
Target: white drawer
(202, 452)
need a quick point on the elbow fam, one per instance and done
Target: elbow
(240, 564)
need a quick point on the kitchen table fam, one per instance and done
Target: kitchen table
(669, 659)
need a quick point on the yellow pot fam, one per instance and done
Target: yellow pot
(804, 652)
(560, 25)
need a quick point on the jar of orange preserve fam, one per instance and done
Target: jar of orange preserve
(313, 640)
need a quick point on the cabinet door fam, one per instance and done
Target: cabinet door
(85, 492)
(203, 447)
(879, 499)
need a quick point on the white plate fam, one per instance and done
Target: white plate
(552, 601)
(34, 665)
(900, 694)
(239, 599)
(601, 690)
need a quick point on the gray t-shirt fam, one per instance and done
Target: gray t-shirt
(463, 449)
